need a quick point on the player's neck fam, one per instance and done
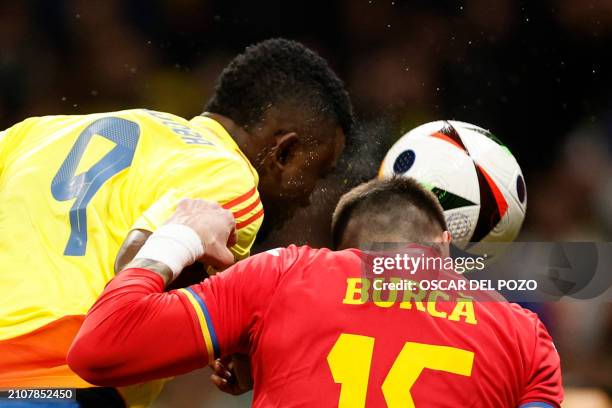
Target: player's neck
(237, 133)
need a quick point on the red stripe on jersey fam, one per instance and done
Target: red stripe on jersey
(251, 219)
(247, 209)
(240, 199)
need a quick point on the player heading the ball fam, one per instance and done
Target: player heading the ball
(310, 344)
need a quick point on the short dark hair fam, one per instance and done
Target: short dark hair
(276, 71)
(397, 205)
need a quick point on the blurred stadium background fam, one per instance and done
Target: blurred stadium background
(537, 74)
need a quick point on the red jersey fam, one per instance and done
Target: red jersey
(317, 337)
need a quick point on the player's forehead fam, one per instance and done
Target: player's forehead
(297, 115)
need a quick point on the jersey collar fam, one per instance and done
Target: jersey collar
(223, 136)
(217, 129)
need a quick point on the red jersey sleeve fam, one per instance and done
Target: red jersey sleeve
(543, 382)
(136, 332)
(231, 305)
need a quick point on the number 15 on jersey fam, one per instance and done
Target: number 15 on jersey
(351, 356)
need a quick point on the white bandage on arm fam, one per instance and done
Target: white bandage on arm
(175, 245)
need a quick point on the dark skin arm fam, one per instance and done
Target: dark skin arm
(130, 247)
(236, 384)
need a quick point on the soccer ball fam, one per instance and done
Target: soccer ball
(475, 177)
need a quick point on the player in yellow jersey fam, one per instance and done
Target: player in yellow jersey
(80, 194)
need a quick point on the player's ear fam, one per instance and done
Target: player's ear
(283, 150)
(444, 243)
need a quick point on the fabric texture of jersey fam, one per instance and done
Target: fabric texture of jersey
(317, 338)
(71, 188)
(314, 340)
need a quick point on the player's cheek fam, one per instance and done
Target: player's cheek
(302, 178)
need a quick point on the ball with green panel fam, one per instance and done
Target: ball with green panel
(476, 178)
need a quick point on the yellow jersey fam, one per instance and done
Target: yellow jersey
(71, 188)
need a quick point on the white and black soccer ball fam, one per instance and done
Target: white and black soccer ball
(475, 177)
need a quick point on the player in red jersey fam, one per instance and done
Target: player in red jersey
(312, 336)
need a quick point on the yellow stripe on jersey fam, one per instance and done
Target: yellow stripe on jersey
(208, 331)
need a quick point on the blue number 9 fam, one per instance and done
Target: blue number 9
(66, 186)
